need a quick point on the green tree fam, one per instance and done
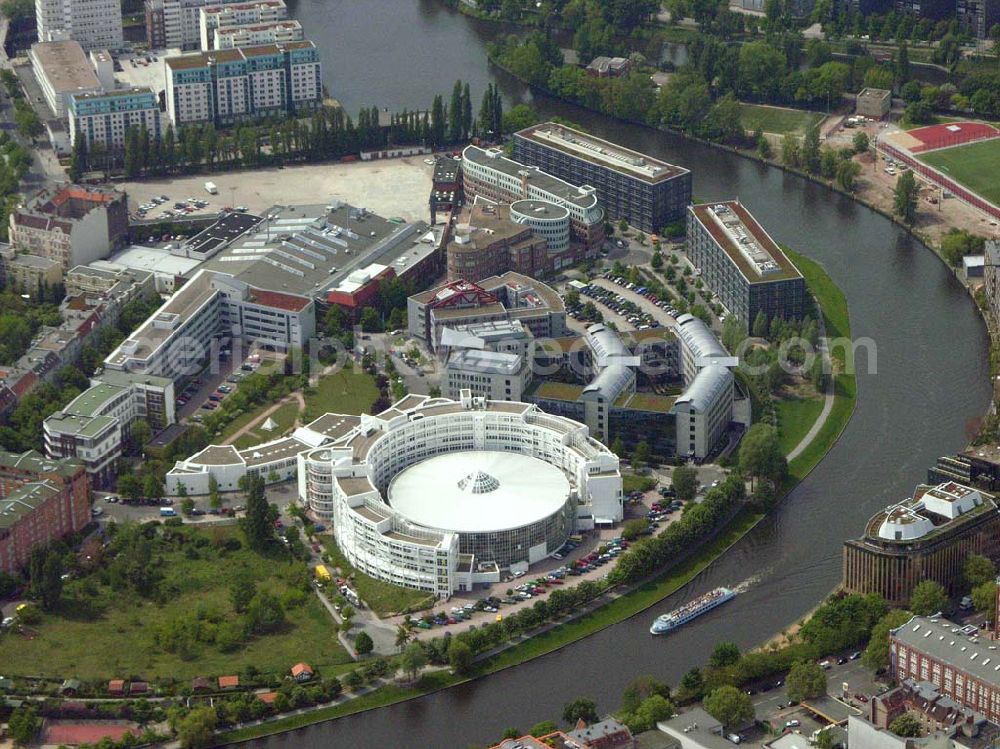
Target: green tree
(984, 596)
(760, 455)
(455, 114)
(724, 654)
(152, 486)
(861, 142)
(876, 655)
(197, 729)
(264, 614)
(810, 156)
(906, 726)
(52, 582)
(258, 524)
(543, 729)
(187, 506)
(805, 680)
(214, 500)
(978, 570)
(759, 327)
(693, 682)
(519, 117)
(902, 64)
(370, 322)
(685, 482)
(460, 657)
(905, 200)
(582, 708)
(23, 725)
(730, 706)
(363, 643)
(929, 597)
(847, 172)
(640, 456)
(412, 659)
(241, 593)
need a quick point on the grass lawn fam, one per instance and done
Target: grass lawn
(974, 166)
(384, 598)
(348, 391)
(634, 483)
(778, 121)
(838, 325)
(284, 417)
(100, 633)
(795, 417)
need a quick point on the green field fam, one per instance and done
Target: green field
(348, 391)
(795, 418)
(103, 631)
(974, 166)
(777, 121)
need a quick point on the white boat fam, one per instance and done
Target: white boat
(690, 610)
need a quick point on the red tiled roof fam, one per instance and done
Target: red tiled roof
(24, 385)
(229, 682)
(81, 193)
(278, 300)
(267, 697)
(116, 685)
(301, 668)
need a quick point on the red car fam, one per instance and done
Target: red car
(317, 548)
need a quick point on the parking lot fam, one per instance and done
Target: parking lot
(164, 206)
(389, 188)
(625, 311)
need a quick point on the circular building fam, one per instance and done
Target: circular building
(501, 505)
(547, 220)
(443, 495)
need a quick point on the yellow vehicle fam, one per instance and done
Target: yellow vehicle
(21, 608)
(323, 574)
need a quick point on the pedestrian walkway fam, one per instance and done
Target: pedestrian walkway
(824, 351)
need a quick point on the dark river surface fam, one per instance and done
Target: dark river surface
(925, 388)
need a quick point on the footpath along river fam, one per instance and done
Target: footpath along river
(919, 402)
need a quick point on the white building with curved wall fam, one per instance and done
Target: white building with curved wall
(547, 221)
(433, 493)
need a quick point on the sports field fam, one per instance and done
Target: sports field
(974, 166)
(777, 120)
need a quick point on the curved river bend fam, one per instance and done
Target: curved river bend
(931, 384)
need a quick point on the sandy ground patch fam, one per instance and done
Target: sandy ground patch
(394, 187)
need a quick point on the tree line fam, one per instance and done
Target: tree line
(328, 133)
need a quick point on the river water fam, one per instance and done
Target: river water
(921, 399)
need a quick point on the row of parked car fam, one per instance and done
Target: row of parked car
(621, 306)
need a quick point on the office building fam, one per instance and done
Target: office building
(646, 192)
(213, 17)
(62, 69)
(94, 24)
(446, 187)
(103, 120)
(742, 265)
(960, 663)
(41, 501)
(608, 67)
(925, 537)
(227, 85)
(490, 174)
(71, 224)
(486, 242)
(513, 483)
(495, 375)
(509, 296)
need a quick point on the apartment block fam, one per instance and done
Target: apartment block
(104, 119)
(29, 273)
(647, 192)
(95, 24)
(277, 32)
(217, 16)
(742, 265)
(226, 85)
(174, 24)
(41, 501)
(71, 224)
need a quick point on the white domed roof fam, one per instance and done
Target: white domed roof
(476, 491)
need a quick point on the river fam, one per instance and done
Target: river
(930, 384)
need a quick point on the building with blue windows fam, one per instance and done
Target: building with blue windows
(104, 119)
(227, 85)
